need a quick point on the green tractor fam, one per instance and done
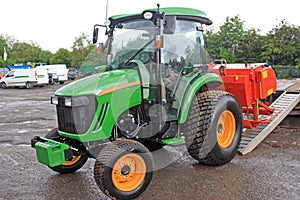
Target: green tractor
(154, 90)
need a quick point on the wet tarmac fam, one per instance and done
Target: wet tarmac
(269, 172)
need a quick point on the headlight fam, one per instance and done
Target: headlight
(68, 102)
(54, 100)
(71, 101)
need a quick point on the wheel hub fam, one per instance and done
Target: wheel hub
(125, 170)
(129, 172)
(226, 129)
(220, 128)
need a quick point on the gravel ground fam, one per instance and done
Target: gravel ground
(271, 171)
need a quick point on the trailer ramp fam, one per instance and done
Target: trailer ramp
(285, 103)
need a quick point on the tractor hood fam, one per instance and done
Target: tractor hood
(101, 83)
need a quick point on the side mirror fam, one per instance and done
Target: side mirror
(95, 35)
(170, 24)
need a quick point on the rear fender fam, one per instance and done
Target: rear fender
(210, 80)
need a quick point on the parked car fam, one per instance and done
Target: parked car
(72, 74)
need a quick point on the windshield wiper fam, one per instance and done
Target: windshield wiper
(139, 51)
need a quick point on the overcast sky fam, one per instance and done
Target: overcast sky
(53, 24)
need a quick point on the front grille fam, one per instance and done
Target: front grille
(78, 118)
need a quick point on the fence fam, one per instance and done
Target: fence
(287, 71)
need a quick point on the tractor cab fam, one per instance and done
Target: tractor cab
(165, 46)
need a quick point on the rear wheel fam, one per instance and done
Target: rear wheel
(123, 169)
(69, 166)
(214, 127)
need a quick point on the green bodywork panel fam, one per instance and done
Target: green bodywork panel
(187, 90)
(181, 11)
(115, 91)
(178, 11)
(51, 153)
(96, 83)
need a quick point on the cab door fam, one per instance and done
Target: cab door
(9, 79)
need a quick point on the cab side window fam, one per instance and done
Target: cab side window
(10, 74)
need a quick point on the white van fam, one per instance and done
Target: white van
(25, 77)
(57, 73)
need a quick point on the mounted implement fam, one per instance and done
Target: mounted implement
(251, 84)
(155, 87)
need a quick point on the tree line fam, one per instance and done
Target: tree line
(23, 52)
(232, 41)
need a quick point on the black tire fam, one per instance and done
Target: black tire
(29, 85)
(79, 159)
(61, 82)
(116, 161)
(3, 85)
(208, 140)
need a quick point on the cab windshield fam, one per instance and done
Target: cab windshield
(135, 41)
(132, 41)
(132, 44)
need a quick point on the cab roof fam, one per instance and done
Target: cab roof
(181, 13)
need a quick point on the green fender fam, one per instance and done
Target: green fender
(211, 80)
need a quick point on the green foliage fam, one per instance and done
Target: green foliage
(80, 49)
(45, 57)
(282, 44)
(62, 56)
(226, 43)
(2, 62)
(236, 44)
(23, 52)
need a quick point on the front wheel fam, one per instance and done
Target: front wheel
(3, 85)
(213, 129)
(69, 166)
(123, 169)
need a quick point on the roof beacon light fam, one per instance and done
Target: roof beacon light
(148, 15)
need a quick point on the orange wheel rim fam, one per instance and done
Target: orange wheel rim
(74, 160)
(226, 129)
(129, 172)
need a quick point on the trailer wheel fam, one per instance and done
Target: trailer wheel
(29, 85)
(69, 166)
(123, 169)
(3, 85)
(213, 128)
